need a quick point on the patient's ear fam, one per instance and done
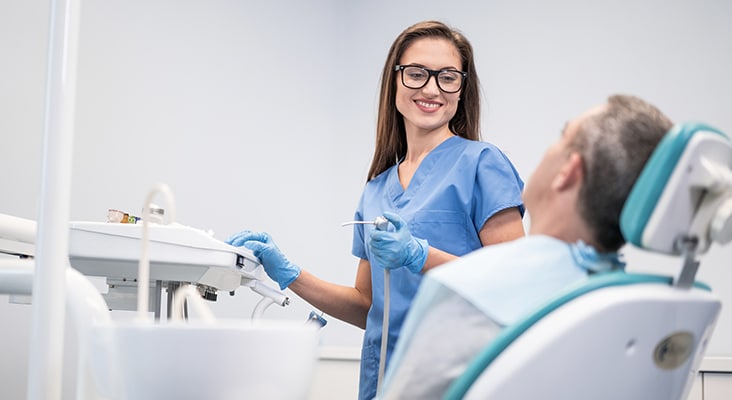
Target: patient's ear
(570, 174)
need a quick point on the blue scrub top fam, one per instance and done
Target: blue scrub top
(458, 186)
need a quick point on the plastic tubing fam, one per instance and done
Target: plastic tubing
(266, 291)
(190, 293)
(261, 306)
(384, 331)
(143, 270)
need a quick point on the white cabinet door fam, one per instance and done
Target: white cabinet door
(717, 386)
(697, 392)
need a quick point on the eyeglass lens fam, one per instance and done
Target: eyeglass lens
(447, 80)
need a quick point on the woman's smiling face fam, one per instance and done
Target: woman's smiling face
(428, 109)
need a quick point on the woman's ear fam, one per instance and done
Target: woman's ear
(570, 174)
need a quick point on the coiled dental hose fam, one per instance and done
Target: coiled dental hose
(381, 224)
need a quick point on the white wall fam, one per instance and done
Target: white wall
(260, 115)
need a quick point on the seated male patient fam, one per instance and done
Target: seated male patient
(574, 199)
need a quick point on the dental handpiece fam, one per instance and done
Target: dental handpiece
(380, 223)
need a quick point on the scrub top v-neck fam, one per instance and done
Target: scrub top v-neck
(457, 187)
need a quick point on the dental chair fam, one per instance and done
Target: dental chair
(626, 335)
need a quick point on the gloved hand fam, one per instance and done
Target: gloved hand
(398, 248)
(275, 264)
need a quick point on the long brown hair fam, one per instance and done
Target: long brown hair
(391, 138)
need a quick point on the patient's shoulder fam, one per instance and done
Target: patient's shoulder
(524, 252)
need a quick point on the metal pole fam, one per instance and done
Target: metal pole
(49, 283)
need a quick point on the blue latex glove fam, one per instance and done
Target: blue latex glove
(398, 248)
(275, 264)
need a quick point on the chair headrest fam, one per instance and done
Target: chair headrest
(684, 190)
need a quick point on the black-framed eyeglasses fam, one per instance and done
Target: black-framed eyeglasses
(448, 80)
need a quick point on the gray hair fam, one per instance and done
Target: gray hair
(615, 144)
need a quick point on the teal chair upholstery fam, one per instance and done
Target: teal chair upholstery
(626, 335)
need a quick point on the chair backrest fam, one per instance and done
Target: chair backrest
(687, 177)
(618, 336)
(621, 335)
